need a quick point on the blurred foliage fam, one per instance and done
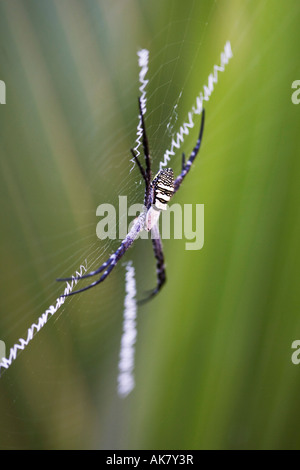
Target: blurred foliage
(213, 356)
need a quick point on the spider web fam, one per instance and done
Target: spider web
(76, 156)
(176, 142)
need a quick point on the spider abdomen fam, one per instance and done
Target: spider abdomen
(163, 185)
(163, 190)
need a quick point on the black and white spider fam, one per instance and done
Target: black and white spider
(158, 193)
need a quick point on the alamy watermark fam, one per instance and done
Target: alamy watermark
(295, 358)
(2, 92)
(176, 222)
(296, 94)
(2, 350)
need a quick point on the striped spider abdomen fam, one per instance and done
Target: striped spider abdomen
(163, 190)
(163, 185)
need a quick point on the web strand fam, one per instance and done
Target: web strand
(204, 95)
(143, 56)
(36, 327)
(126, 381)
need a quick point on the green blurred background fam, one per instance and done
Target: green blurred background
(213, 353)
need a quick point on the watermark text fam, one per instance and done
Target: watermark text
(2, 92)
(296, 94)
(2, 350)
(176, 222)
(295, 358)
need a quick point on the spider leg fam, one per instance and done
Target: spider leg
(145, 144)
(186, 166)
(139, 165)
(113, 259)
(147, 159)
(101, 279)
(160, 264)
(92, 273)
(183, 162)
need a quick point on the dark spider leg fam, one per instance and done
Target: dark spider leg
(160, 264)
(112, 260)
(145, 142)
(101, 279)
(92, 273)
(139, 166)
(109, 261)
(116, 257)
(147, 156)
(193, 155)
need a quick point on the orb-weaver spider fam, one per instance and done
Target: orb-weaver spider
(158, 193)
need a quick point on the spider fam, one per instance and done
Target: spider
(158, 193)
